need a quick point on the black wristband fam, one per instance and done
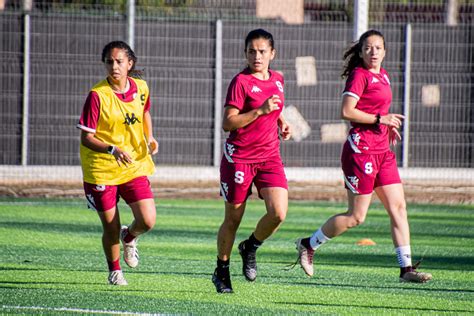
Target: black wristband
(377, 117)
(111, 150)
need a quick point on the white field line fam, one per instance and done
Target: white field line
(78, 310)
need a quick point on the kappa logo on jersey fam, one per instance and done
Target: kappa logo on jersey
(375, 80)
(256, 89)
(130, 120)
(225, 187)
(355, 138)
(230, 149)
(354, 181)
(279, 85)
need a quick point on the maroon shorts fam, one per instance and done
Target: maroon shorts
(105, 197)
(237, 178)
(364, 172)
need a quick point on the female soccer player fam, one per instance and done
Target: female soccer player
(253, 117)
(368, 163)
(116, 143)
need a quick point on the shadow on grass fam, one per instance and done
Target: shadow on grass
(372, 307)
(421, 287)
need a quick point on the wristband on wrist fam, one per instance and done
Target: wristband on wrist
(377, 117)
(111, 150)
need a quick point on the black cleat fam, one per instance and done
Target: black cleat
(249, 263)
(222, 283)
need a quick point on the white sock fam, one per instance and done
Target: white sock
(404, 256)
(317, 239)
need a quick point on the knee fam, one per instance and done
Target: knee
(231, 223)
(356, 220)
(148, 225)
(278, 216)
(145, 224)
(399, 212)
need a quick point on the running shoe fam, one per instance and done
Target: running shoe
(305, 257)
(249, 263)
(116, 278)
(222, 282)
(415, 276)
(130, 251)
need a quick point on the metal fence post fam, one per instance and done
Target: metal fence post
(218, 95)
(131, 23)
(361, 18)
(406, 97)
(26, 91)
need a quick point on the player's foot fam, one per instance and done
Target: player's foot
(305, 255)
(116, 278)
(411, 275)
(222, 281)
(130, 251)
(249, 262)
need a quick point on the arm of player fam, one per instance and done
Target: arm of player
(285, 129)
(349, 112)
(393, 135)
(148, 128)
(88, 140)
(233, 119)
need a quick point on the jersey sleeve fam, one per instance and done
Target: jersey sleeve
(236, 94)
(90, 113)
(355, 84)
(147, 105)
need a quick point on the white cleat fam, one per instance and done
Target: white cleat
(116, 278)
(305, 257)
(130, 251)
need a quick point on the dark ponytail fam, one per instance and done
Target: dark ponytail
(352, 55)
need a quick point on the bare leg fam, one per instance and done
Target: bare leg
(144, 213)
(228, 229)
(393, 199)
(111, 231)
(355, 215)
(276, 202)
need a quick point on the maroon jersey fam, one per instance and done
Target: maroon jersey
(374, 96)
(258, 141)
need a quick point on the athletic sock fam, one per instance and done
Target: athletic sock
(317, 239)
(128, 236)
(305, 242)
(222, 266)
(404, 256)
(252, 243)
(114, 265)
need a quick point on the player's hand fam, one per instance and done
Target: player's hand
(392, 119)
(393, 136)
(270, 105)
(122, 157)
(285, 131)
(153, 146)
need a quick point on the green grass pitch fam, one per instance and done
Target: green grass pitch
(51, 262)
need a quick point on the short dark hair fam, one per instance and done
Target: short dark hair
(259, 33)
